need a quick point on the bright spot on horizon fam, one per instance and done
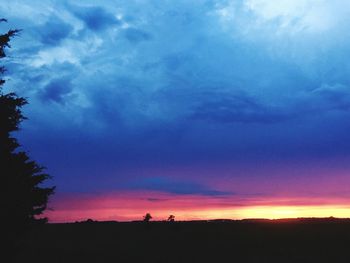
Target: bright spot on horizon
(280, 212)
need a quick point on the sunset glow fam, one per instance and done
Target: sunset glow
(132, 206)
(265, 212)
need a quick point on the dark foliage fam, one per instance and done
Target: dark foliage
(147, 217)
(22, 199)
(171, 218)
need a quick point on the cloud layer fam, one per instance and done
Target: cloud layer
(167, 83)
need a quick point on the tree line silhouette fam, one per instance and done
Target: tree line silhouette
(147, 218)
(23, 197)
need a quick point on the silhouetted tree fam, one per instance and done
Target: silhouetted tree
(22, 198)
(171, 218)
(147, 217)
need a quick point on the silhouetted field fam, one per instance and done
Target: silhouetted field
(321, 240)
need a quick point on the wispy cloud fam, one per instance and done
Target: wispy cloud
(174, 186)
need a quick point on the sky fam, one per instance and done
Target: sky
(202, 109)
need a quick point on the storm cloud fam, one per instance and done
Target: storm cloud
(164, 83)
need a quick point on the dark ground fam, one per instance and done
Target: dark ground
(322, 240)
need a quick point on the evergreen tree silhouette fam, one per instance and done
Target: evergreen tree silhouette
(22, 198)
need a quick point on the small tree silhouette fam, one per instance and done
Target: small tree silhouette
(147, 217)
(171, 218)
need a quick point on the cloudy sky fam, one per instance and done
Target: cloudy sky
(207, 108)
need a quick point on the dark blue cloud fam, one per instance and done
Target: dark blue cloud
(95, 18)
(173, 186)
(136, 35)
(54, 31)
(228, 108)
(332, 97)
(56, 91)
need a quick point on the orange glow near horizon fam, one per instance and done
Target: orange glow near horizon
(266, 212)
(131, 206)
(278, 212)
